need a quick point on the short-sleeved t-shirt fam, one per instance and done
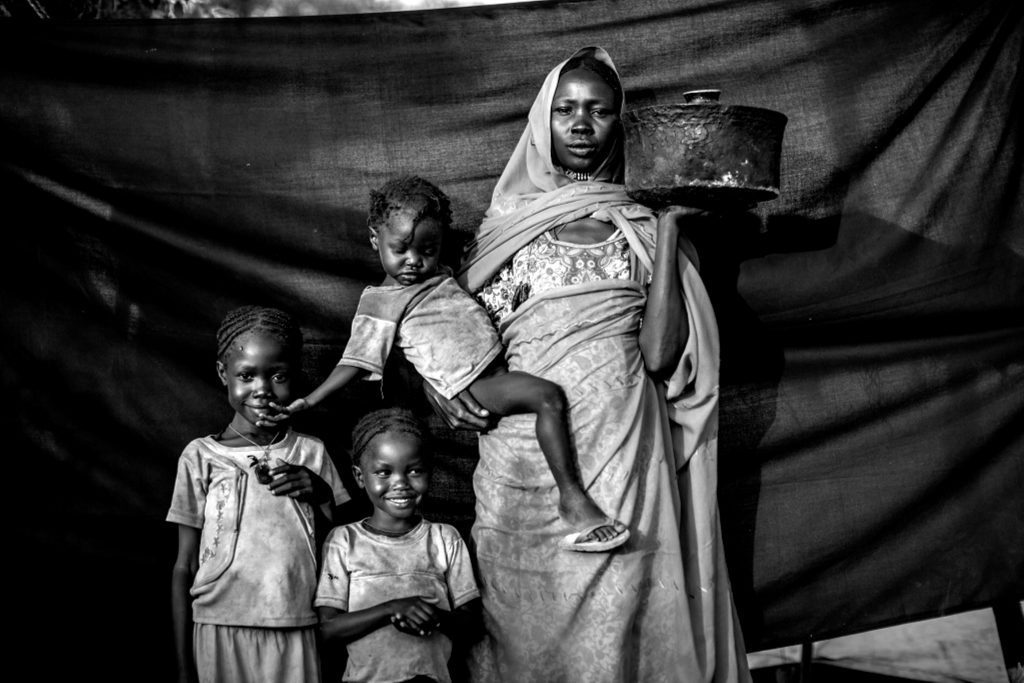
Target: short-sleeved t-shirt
(362, 569)
(443, 331)
(257, 561)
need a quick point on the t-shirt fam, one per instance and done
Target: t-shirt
(443, 331)
(362, 569)
(257, 553)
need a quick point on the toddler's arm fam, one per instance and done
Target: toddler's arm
(339, 377)
(666, 326)
(411, 615)
(185, 567)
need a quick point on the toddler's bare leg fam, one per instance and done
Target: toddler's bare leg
(516, 393)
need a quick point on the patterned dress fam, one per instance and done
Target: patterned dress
(572, 313)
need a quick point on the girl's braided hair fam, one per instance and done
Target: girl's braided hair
(271, 322)
(385, 420)
(396, 195)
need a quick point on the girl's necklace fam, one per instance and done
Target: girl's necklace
(260, 466)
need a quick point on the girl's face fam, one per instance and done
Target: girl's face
(256, 371)
(395, 476)
(584, 121)
(409, 252)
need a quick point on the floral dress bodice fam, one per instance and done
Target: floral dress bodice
(546, 264)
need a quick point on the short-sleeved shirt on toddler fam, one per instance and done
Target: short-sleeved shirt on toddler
(362, 569)
(257, 553)
(443, 331)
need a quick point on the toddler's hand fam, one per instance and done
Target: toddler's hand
(282, 413)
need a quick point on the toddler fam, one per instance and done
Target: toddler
(450, 340)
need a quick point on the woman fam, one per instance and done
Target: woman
(562, 261)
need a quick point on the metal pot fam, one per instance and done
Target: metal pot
(702, 153)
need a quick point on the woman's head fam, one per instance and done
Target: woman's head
(585, 125)
(258, 355)
(539, 161)
(408, 219)
(391, 462)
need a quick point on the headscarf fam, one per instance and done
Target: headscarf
(533, 196)
(531, 169)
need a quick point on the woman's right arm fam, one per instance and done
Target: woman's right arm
(185, 567)
(462, 411)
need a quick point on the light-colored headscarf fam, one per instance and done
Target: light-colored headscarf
(533, 196)
(531, 169)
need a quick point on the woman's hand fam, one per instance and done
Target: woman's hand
(282, 413)
(673, 217)
(461, 411)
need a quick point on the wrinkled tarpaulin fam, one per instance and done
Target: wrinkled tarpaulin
(156, 174)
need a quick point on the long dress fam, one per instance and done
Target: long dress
(659, 608)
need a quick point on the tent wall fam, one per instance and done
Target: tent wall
(156, 174)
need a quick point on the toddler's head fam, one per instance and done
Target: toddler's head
(392, 462)
(408, 219)
(258, 355)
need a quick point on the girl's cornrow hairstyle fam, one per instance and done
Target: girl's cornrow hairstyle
(382, 421)
(272, 322)
(396, 194)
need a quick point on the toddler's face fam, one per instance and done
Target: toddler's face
(396, 476)
(256, 371)
(409, 252)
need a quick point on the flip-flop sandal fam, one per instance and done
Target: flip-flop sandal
(572, 542)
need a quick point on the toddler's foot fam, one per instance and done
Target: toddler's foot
(595, 531)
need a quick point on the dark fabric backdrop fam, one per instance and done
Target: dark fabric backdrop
(156, 174)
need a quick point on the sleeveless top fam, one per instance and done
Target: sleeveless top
(548, 263)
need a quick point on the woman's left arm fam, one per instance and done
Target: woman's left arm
(666, 327)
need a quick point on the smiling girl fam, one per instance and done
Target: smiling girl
(245, 573)
(396, 589)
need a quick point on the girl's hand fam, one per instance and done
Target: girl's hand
(461, 411)
(414, 616)
(296, 481)
(282, 413)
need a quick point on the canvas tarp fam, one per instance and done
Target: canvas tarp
(156, 174)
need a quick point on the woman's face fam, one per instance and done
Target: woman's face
(584, 121)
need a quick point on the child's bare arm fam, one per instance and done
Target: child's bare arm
(185, 567)
(412, 615)
(666, 327)
(463, 622)
(339, 377)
